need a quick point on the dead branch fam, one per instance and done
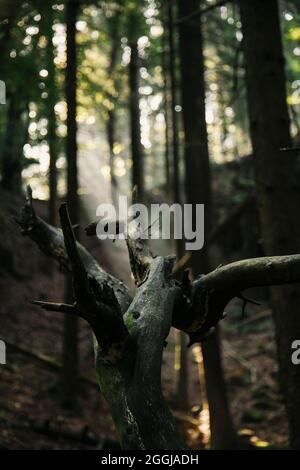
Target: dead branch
(209, 294)
(264, 271)
(213, 291)
(95, 302)
(84, 436)
(50, 240)
(201, 12)
(57, 307)
(46, 361)
(130, 334)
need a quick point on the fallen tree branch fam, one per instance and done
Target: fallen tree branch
(47, 429)
(48, 361)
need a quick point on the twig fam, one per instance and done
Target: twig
(201, 12)
(56, 307)
(78, 269)
(256, 318)
(219, 230)
(290, 149)
(246, 300)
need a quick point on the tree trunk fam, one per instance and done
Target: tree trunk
(135, 125)
(168, 13)
(130, 332)
(12, 153)
(277, 186)
(52, 136)
(110, 130)
(174, 116)
(111, 113)
(70, 341)
(182, 389)
(166, 98)
(198, 191)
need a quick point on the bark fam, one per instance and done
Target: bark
(277, 188)
(70, 340)
(130, 332)
(198, 191)
(135, 125)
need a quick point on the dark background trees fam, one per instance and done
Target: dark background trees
(276, 180)
(192, 102)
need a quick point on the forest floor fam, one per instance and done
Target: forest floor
(31, 413)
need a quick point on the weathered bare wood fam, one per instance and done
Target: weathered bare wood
(50, 240)
(263, 271)
(130, 333)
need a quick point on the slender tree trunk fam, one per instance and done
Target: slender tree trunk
(70, 345)
(110, 130)
(111, 115)
(198, 191)
(135, 125)
(71, 88)
(182, 385)
(166, 95)
(277, 186)
(10, 158)
(174, 116)
(167, 144)
(52, 136)
(12, 152)
(6, 39)
(182, 391)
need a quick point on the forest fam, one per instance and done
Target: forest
(149, 226)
